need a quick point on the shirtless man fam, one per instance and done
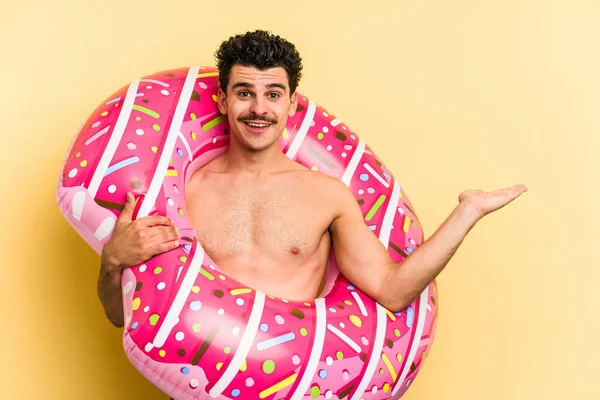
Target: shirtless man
(236, 202)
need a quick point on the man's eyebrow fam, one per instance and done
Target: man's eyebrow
(276, 85)
(249, 85)
(242, 84)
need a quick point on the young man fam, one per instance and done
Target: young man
(236, 202)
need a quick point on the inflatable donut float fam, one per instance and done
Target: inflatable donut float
(194, 331)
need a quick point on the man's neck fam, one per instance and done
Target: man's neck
(239, 161)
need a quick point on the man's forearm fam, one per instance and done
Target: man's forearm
(406, 280)
(109, 292)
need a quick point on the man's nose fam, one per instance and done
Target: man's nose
(259, 105)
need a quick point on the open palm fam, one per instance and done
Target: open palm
(487, 202)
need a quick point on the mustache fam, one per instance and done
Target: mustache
(254, 117)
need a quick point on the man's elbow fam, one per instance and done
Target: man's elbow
(117, 321)
(396, 304)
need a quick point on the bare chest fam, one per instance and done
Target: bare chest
(236, 220)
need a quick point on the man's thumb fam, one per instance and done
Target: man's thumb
(127, 211)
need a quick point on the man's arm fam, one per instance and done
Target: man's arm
(131, 243)
(364, 260)
(110, 295)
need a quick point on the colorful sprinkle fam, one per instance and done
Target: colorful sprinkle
(214, 122)
(154, 319)
(276, 341)
(278, 386)
(235, 292)
(375, 207)
(121, 164)
(146, 111)
(195, 305)
(268, 366)
(389, 366)
(345, 375)
(410, 317)
(355, 320)
(207, 274)
(315, 391)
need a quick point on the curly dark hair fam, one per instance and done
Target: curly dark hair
(262, 50)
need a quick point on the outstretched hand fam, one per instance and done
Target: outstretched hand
(487, 202)
(134, 242)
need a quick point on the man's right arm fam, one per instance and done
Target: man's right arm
(109, 293)
(132, 242)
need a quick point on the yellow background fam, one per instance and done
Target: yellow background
(451, 94)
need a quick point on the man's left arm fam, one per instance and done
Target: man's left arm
(364, 260)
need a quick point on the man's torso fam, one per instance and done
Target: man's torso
(270, 233)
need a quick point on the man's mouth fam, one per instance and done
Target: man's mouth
(257, 125)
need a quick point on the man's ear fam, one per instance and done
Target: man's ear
(222, 102)
(293, 104)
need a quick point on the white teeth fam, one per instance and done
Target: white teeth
(257, 125)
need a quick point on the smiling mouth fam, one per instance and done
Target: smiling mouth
(257, 125)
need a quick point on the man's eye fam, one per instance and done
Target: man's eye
(243, 94)
(274, 95)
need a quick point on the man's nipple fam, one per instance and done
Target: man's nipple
(294, 250)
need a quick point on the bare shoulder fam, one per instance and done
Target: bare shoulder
(331, 190)
(213, 166)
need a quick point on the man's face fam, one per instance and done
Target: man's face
(257, 105)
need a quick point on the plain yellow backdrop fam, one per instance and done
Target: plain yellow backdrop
(451, 95)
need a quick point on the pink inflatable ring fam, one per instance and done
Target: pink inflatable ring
(197, 333)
